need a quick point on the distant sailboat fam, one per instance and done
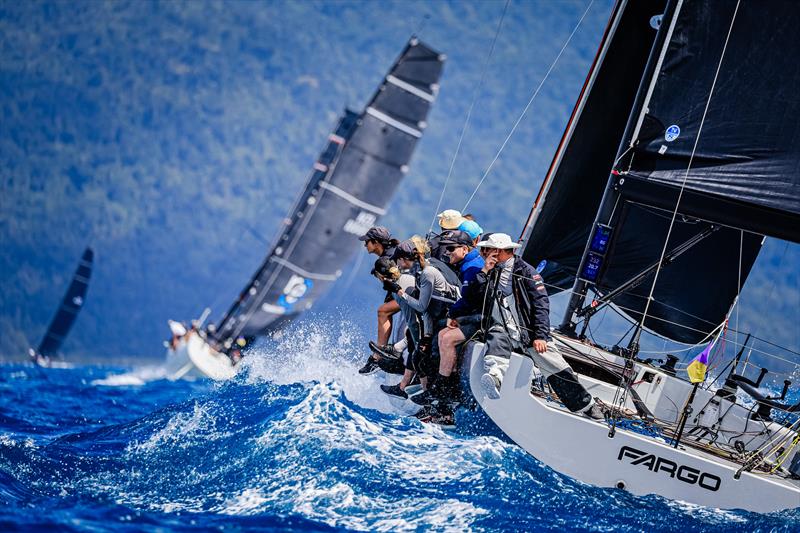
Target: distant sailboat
(682, 152)
(67, 312)
(351, 184)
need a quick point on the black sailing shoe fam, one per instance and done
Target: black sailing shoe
(394, 390)
(438, 414)
(385, 350)
(370, 367)
(423, 398)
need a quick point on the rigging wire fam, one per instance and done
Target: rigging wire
(524, 111)
(475, 96)
(618, 310)
(689, 166)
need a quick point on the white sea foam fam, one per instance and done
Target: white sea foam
(134, 378)
(324, 352)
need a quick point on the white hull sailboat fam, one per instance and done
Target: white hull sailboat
(352, 182)
(581, 448)
(677, 162)
(193, 357)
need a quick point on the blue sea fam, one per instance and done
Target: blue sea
(298, 441)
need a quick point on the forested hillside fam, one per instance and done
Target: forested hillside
(173, 136)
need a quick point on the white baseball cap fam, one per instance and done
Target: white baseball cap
(450, 219)
(500, 241)
(176, 328)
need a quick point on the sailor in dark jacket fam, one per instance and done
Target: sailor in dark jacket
(518, 311)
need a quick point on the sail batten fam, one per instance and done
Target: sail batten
(353, 180)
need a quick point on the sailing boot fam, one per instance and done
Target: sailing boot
(438, 413)
(428, 395)
(370, 367)
(394, 390)
(389, 359)
(385, 350)
(569, 390)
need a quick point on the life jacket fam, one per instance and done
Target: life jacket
(442, 301)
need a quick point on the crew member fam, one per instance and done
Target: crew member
(520, 319)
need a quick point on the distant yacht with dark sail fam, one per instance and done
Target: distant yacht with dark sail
(350, 185)
(64, 318)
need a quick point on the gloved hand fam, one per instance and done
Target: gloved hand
(391, 286)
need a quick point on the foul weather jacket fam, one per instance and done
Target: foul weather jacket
(530, 296)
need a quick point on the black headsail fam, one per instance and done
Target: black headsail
(71, 304)
(734, 164)
(567, 203)
(349, 188)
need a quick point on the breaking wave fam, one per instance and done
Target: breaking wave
(298, 441)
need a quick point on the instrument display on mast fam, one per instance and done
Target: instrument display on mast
(596, 255)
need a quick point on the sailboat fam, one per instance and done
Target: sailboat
(65, 316)
(681, 155)
(351, 183)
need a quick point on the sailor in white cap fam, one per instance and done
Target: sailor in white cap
(520, 320)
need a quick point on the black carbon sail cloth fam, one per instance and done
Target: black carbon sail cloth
(574, 186)
(69, 308)
(744, 174)
(746, 168)
(352, 183)
(695, 292)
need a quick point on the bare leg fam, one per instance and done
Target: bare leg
(449, 339)
(385, 313)
(407, 376)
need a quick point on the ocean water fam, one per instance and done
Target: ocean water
(298, 441)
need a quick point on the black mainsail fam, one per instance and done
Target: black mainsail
(733, 181)
(70, 306)
(561, 219)
(364, 161)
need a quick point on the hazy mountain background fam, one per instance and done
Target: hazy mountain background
(173, 136)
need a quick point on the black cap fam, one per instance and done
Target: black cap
(386, 268)
(378, 233)
(405, 250)
(459, 237)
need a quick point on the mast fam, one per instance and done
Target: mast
(351, 184)
(588, 271)
(557, 228)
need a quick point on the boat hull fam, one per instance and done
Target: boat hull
(193, 357)
(581, 448)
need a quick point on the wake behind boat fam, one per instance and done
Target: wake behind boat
(351, 184)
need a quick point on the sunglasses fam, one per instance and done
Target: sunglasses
(453, 247)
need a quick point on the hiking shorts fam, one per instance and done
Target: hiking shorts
(469, 325)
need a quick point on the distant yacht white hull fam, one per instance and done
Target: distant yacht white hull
(581, 447)
(193, 357)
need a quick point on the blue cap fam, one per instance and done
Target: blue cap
(471, 227)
